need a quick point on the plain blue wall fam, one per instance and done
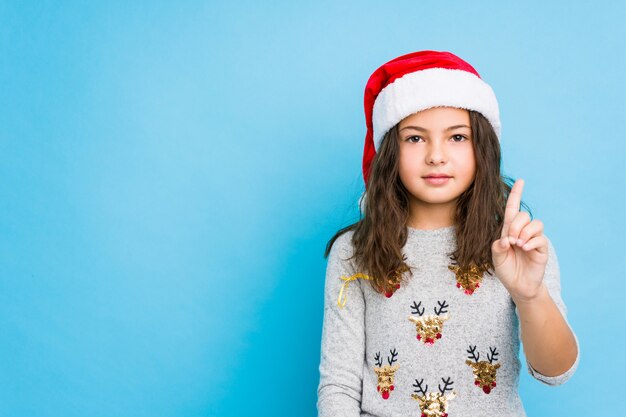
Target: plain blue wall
(170, 173)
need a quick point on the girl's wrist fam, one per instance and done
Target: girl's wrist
(522, 300)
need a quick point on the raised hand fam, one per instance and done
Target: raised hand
(520, 255)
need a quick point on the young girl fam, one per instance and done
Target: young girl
(428, 295)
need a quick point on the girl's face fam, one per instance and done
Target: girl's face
(436, 141)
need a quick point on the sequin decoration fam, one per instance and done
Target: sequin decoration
(484, 371)
(429, 327)
(468, 278)
(386, 373)
(394, 284)
(433, 404)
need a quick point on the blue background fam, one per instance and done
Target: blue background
(170, 173)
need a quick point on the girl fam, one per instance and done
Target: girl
(428, 295)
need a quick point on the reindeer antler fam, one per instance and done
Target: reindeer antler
(493, 355)
(379, 361)
(472, 351)
(393, 356)
(418, 385)
(442, 307)
(446, 384)
(416, 307)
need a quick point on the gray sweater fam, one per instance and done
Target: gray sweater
(434, 348)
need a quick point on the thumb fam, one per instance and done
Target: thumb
(499, 248)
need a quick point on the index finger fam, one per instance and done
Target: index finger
(512, 206)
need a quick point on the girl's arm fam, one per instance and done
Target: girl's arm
(525, 262)
(343, 337)
(550, 345)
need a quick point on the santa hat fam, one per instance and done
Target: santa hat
(418, 81)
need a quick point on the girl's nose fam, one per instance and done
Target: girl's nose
(435, 154)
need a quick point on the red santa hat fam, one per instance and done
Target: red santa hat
(418, 81)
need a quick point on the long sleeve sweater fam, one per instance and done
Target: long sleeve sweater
(439, 346)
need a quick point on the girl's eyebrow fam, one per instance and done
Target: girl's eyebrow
(426, 130)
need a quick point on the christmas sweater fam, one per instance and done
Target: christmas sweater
(445, 343)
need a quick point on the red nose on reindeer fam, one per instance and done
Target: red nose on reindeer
(486, 389)
(385, 395)
(388, 294)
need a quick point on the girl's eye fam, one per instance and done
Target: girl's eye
(456, 138)
(410, 138)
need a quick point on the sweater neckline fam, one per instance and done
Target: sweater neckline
(438, 232)
(442, 239)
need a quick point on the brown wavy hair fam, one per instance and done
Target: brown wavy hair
(381, 231)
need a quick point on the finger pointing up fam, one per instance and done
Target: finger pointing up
(512, 206)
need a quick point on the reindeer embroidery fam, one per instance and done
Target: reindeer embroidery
(434, 403)
(386, 373)
(484, 372)
(393, 281)
(468, 278)
(429, 327)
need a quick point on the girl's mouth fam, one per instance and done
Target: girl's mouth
(436, 180)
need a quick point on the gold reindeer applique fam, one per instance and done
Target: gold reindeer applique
(433, 403)
(386, 373)
(484, 372)
(468, 278)
(429, 327)
(394, 279)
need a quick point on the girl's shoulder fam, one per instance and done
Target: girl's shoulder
(342, 246)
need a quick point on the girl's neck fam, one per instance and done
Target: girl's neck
(431, 216)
